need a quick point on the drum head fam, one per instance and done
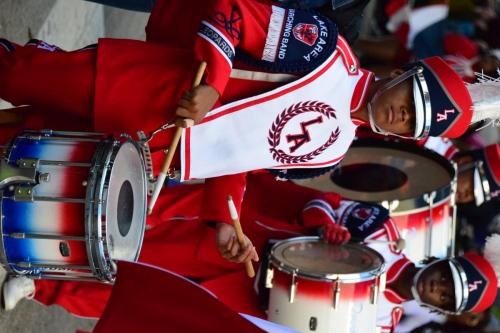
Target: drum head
(378, 171)
(126, 204)
(313, 258)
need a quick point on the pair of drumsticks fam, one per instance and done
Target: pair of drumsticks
(166, 166)
(232, 209)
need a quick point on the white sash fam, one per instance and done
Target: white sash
(307, 122)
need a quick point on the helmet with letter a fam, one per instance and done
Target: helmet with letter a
(445, 106)
(486, 173)
(474, 280)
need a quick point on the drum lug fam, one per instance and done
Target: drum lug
(269, 277)
(23, 193)
(429, 198)
(293, 288)
(390, 205)
(336, 294)
(27, 163)
(24, 173)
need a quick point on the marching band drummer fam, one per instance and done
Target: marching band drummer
(478, 193)
(436, 286)
(479, 175)
(280, 210)
(313, 93)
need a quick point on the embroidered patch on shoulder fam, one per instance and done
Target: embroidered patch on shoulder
(297, 41)
(362, 218)
(215, 37)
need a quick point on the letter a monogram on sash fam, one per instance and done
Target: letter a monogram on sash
(304, 136)
(304, 124)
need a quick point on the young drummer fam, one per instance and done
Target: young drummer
(309, 94)
(479, 175)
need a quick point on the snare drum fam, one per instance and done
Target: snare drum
(417, 185)
(319, 287)
(74, 203)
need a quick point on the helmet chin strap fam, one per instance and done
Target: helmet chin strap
(392, 83)
(418, 299)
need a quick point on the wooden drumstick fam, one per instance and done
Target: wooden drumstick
(239, 233)
(173, 146)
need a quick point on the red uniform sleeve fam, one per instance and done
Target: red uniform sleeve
(457, 44)
(214, 202)
(230, 24)
(321, 210)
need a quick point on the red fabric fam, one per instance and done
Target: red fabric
(215, 197)
(167, 25)
(38, 118)
(458, 44)
(165, 302)
(151, 89)
(63, 81)
(489, 294)
(314, 216)
(236, 291)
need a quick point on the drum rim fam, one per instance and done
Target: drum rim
(346, 278)
(418, 202)
(90, 198)
(136, 146)
(102, 265)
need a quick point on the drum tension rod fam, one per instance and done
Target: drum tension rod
(293, 287)
(375, 290)
(429, 198)
(336, 294)
(22, 235)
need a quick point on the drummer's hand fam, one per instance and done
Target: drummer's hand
(195, 104)
(230, 248)
(336, 234)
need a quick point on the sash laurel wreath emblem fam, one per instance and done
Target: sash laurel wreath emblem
(274, 135)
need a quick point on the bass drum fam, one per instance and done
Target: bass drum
(417, 186)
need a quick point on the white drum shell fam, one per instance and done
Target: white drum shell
(351, 315)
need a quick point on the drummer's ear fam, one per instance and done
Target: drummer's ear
(396, 72)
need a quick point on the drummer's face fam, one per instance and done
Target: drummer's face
(435, 286)
(465, 187)
(394, 110)
(465, 181)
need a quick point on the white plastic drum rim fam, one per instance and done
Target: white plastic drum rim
(126, 204)
(363, 263)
